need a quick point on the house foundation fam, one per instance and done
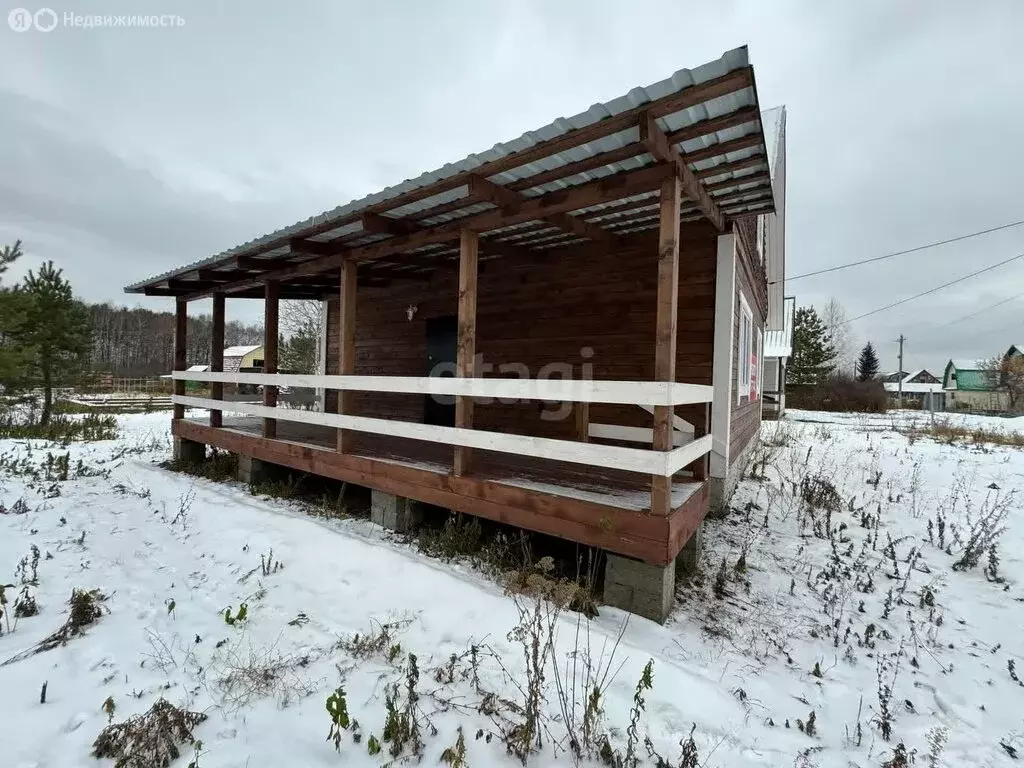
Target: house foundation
(252, 470)
(189, 451)
(396, 513)
(688, 559)
(638, 587)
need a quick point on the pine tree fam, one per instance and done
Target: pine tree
(813, 355)
(13, 306)
(867, 363)
(55, 331)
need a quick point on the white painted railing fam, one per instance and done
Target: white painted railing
(640, 460)
(556, 390)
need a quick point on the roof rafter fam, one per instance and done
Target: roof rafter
(560, 201)
(502, 196)
(658, 144)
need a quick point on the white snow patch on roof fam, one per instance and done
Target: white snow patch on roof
(241, 351)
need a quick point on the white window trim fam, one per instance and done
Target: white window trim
(758, 369)
(761, 229)
(743, 351)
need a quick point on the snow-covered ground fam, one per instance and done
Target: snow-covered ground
(811, 609)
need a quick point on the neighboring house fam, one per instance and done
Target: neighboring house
(970, 385)
(778, 343)
(243, 357)
(500, 330)
(919, 387)
(893, 377)
(778, 347)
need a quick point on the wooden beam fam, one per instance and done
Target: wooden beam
(665, 335)
(384, 225)
(702, 128)
(466, 351)
(217, 356)
(757, 176)
(221, 275)
(737, 165)
(270, 316)
(661, 148)
(561, 201)
(724, 147)
(581, 415)
(312, 247)
(258, 265)
(346, 343)
(180, 331)
(733, 119)
(484, 189)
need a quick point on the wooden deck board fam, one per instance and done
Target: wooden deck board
(596, 507)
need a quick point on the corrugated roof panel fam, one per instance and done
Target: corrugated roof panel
(684, 78)
(459, 213)
(429, 202)
(616, 203)
(337, 232)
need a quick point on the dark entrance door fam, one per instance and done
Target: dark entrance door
(442, 351)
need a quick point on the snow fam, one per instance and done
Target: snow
(240, 351)
(738, 667)
(910, 386)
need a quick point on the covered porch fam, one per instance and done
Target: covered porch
(596, 232)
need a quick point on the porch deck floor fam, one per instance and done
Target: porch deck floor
(616, 488)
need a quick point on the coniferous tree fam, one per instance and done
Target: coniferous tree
(813, 355)
(867, 363)
(55, 332)
(13, 306)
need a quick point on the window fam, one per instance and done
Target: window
(745, 344)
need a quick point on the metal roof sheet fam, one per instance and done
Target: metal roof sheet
(680, 80)
(779, 342)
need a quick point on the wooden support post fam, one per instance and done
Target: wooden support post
(346, 345)
(581, 412)
(270, 314)
(217, 356)
(665, 334)
(468, 249)
(180, 329)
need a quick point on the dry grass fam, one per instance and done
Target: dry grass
(946, 432)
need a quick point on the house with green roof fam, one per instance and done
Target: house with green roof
(973, 385)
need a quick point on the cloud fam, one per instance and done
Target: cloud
(127, 152)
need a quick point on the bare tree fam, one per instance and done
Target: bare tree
(1007, 375)
(300, 327)
(834, 317)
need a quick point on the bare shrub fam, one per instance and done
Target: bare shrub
(244, 674)
(984, 527)
(85, 608)
(581, 684)
(839, 393)
(381, 640)
(818, 492)
(152, 740)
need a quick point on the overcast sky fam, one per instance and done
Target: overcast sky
(126, 152)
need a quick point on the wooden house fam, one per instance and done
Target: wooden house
(562, 333)
(971, 385)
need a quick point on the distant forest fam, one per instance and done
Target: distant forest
(140, 342)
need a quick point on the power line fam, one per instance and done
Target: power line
(979, 312)
(936, 288)
(903, 253)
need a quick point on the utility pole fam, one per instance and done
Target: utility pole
(900, 340)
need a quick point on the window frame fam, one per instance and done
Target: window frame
(743, 345)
